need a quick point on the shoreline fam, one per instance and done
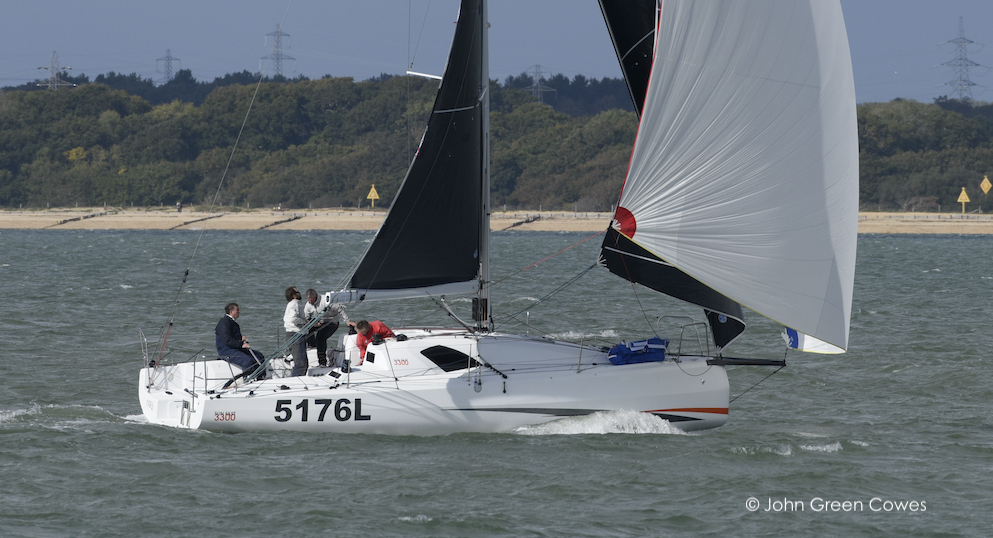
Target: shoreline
(369, 220)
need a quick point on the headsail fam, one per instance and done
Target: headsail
(629, 260)
(803, 342)
(631, 24)
(632, 30)
(744, 173)
(432, 240)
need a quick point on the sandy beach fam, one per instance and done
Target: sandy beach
(329, 219)
(341, 219)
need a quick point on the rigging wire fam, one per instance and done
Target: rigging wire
(644, 311)
(410, 56)
(637, 297)
(213, 202)
(535, 264)
(406, 134)
(551, 293)
(756, 384)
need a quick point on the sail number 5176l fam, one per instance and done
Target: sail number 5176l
(342, 410)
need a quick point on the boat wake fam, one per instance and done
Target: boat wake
(604, 422)
(57, 416)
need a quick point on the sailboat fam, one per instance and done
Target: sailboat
(742, 191)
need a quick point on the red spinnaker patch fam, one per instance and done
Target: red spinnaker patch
(625, 219)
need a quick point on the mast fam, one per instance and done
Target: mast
(484, 311)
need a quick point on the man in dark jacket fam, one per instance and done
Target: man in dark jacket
(231, 345)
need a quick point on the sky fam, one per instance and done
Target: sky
(895, 44)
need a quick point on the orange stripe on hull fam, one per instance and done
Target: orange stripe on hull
(716, 410)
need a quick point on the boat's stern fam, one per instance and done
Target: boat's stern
(170, 395)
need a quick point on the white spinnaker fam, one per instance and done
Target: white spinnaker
(807, 343)
(745, 169)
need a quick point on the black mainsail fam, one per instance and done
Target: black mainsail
(431, 240)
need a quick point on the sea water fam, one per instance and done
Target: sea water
(893, 438)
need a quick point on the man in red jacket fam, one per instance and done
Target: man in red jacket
(368, 332)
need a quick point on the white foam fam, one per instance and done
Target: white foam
(604, 422)
(784, 450)
(419, 518)
(55, 412)
(833, 447)
(14, 413)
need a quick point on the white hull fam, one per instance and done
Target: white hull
(405, 393)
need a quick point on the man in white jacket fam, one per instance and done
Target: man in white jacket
(319, 334)
(293, 319)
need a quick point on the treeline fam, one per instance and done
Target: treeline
(306, 143)
(917, 157)
(579, 96)
(181, 87)
(122, 141)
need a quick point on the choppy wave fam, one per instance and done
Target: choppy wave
(15, 414)
(781, 450)
(831, 447)
(419, 518)
(911, 393)
(53, 414)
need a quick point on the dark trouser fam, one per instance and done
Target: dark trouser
(299, 350)
(248, 359)
(319, 339)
